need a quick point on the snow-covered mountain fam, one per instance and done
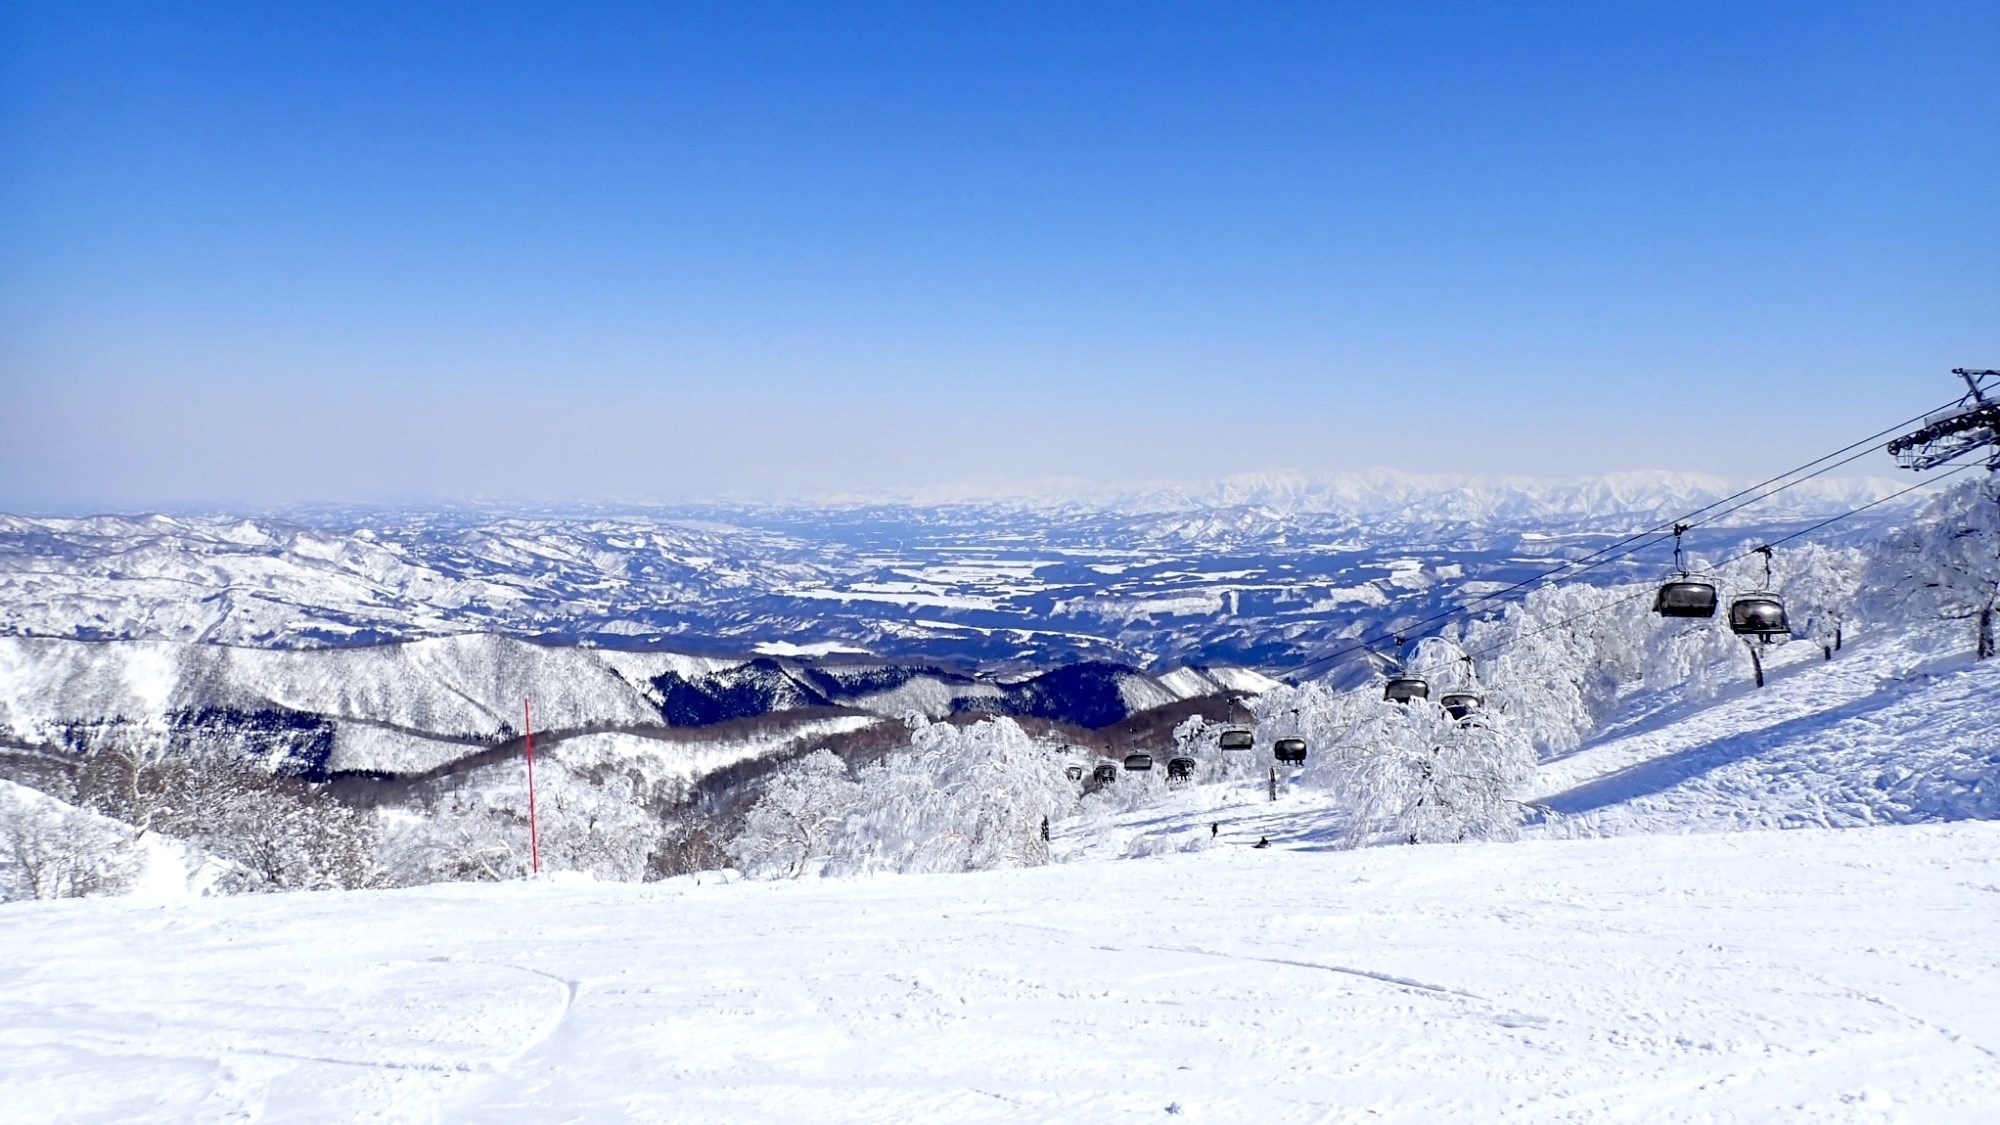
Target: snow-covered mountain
(408, 707)
(1262, 571)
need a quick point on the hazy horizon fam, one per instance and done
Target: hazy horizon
(1220, 491)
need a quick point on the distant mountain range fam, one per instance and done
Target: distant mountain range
(1262, 571)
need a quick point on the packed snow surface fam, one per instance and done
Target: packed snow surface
(1882, 735)
(1824, 976)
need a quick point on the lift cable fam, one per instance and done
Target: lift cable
(1631, 544)
(1646, 589)
(1652, 538)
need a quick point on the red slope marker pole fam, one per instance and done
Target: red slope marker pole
(534, 833)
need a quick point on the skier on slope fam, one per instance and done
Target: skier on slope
(1262, 842)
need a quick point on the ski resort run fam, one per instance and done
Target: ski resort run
(1813, 975)
(1810, 974)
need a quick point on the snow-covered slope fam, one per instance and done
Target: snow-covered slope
(157, 868)
(1888, 732)
(1882, 735)
(1781, 976)
(467, 688)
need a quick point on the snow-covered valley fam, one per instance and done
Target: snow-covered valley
(1256, 571)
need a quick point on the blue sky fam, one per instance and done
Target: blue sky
(260, 254)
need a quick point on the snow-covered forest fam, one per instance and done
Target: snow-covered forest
(1546, 672)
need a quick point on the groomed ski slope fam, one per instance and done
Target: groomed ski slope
(1823, 976)
(1880, 735)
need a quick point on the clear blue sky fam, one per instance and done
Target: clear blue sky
(254, 254)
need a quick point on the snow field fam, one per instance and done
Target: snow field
(1881, 735)
(688, 758)
(1799, 976)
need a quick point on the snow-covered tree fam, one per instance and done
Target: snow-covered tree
(1555, 661)
(1189, 731)
(801, 807)
(1409, 772)
(601, 827)
(1422, 777)
(1946, 562)
(458, 840)
(690, 841)
(280, 832)
(52, 850)
(290, 838)
(969, 798)
(1822, 588)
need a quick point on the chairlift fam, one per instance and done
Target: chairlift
(1684, 595)
(1074, 773)
(1180, 769)
(1761, 613)
(1105, 774)
(1403, 689)
(1136, 762)
(1402, 686)
(1236, 738)
(1289, 750)
(1460, 704)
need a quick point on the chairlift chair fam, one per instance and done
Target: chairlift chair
(1135, 762)
(1074, 773)
(1289, 750)
(1105, 774)
(1402, 689)
(1180, 769)
(1459, 704)
(1684, 595)
(1760, 613)
(1236, 738)
(1402, 686)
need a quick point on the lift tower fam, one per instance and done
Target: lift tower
(1972, 423)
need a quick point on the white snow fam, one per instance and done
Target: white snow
(1190, 683)
(1186, 683)
(468, 685)
(1640, 957)
(164, 868)
(687, 754)
(817, 648)
(1821, 976)
(1878, 736)
(1336, 596)
(1241, 679)
(926, 695)
(899, 593)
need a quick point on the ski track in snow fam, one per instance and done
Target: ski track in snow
(1801, 976)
